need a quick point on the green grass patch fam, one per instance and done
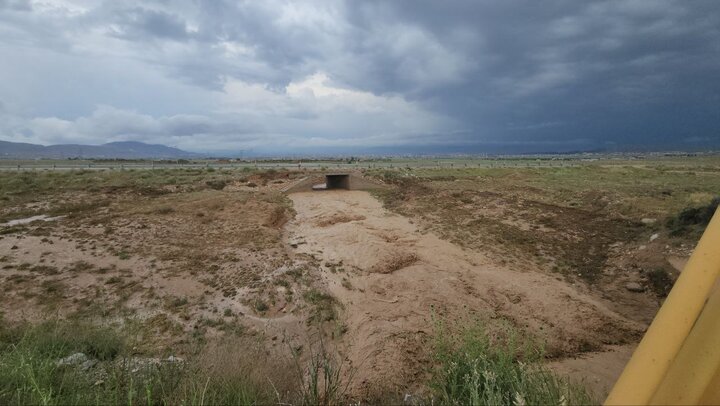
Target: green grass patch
(692, 220)
(31, 375)
(475, 367)
(323, 309)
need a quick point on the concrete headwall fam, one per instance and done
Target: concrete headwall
(351, 182)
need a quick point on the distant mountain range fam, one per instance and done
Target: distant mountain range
(126, 149)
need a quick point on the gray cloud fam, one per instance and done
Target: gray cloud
(628, 73)
(140, 24)
(17, 5)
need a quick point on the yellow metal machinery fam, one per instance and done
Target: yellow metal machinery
(678, 360)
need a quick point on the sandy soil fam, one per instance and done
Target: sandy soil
(391, 278)
(174, 266)
(597, 370)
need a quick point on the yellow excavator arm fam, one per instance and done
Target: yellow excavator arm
(678, 360)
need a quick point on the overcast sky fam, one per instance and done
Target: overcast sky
(409, 75)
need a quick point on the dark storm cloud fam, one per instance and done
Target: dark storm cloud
(629, 71)
(557, 72)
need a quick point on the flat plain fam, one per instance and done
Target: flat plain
(210, 264)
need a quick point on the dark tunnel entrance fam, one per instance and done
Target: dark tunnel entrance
(337, 181)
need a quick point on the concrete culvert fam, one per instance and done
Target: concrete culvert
(337, 181)
(333, 181)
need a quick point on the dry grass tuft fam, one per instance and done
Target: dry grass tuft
(277, 217)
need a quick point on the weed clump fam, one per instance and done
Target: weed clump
(261, 306)
(692, 220)
(217, 184)
(476, 368)
(323, 306)
(164, 210)
(277, 217)
(322, 380)
(660, 281)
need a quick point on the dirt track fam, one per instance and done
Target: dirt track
(391, 278)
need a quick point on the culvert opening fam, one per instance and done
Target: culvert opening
(337, 181)
(334, 181)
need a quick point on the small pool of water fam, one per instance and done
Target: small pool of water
(42, 217)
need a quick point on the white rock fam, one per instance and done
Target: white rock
(648, 221)
(75, 359)
(634, 287)
(88, 364)
(654, 237)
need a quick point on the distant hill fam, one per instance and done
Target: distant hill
(126, 149)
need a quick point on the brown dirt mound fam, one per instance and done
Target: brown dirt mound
(338, 218)
(394, 262)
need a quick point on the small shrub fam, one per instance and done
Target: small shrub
(322, 379)
(52, 287)
(164, 210)
(277, 217)
(323, 306)
(176, 302)
(12, 230)
(660, 281)
(261, 306)
(113, 280)
(81, 266)
(45, 269)
(692, 219)
(217, 184)
(314, 296)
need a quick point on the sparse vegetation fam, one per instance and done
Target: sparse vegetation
(473, 367)
(660, 281)
(45, 269)
(164, 210)
(323, 305)
(32, 371)
(692, 220)
(564, 217)
(261, 306)
(470, 369)
(323, 381)
(217, 184)
(193, 260)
